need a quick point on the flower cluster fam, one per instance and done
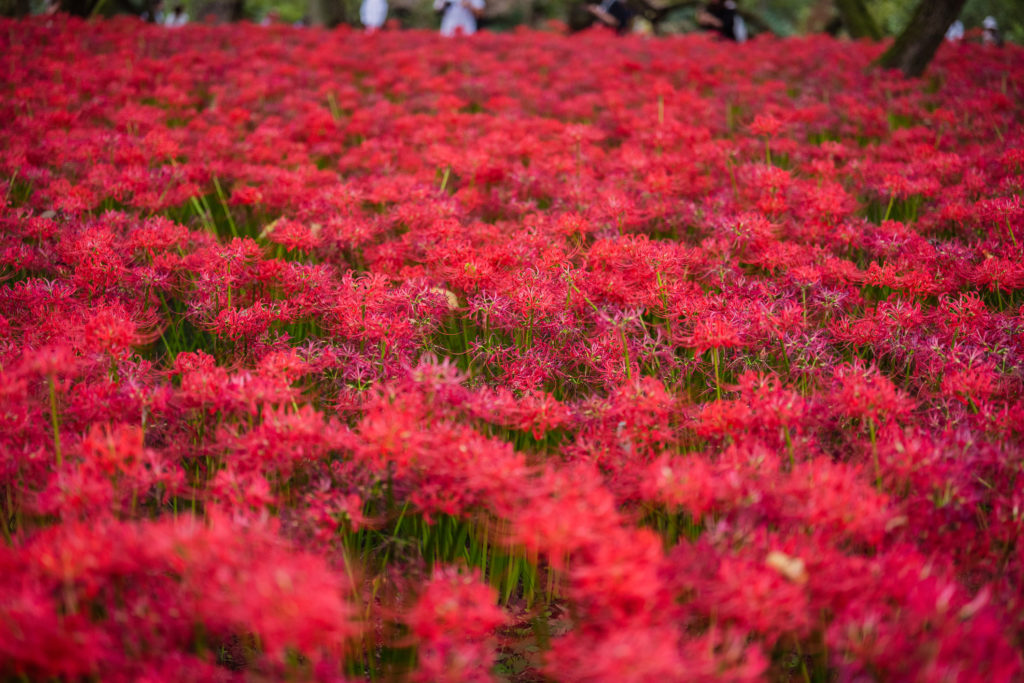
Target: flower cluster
(332, 356)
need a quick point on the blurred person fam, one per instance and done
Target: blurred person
(721, 16)
(459, 16)
(990, 32)
(614, 14)
(154, 15)
(373, 14)
(955, 32)
(177, 18)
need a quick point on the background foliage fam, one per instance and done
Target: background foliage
(784, 17)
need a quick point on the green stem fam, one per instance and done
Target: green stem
(8, 508)
(209, 214)
(54, 421)
(718, 383)
(789, 445)
(333, 106)
(224, 204)
(202, 215)
(14, 177)
(888, 209)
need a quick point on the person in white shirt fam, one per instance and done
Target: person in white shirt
(373, 14)
(955, 32)
(459, 15)
(155, 14)
(990, 32)
(177, 18)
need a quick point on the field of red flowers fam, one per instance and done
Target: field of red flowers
(332, 356)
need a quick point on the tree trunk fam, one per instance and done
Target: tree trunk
(579, 18)
(916, 45)
(78, 8)
(858, 20)
(326, 12)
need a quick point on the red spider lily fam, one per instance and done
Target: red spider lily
(261, 585)
(766, 125)
(453, 620)
(293, 322)
(713, 333)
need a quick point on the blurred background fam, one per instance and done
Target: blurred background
(781, 17)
